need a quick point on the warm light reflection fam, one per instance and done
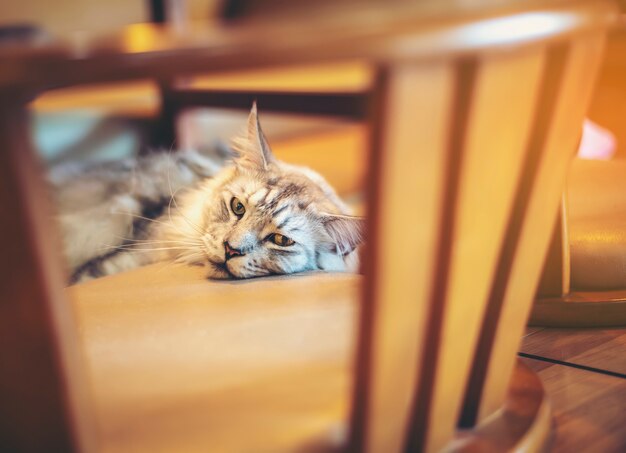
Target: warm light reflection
(521, 27)
(139, 38)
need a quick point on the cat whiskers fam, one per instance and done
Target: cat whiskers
(134, 248)
(190, 242)
(136, 216)
(148, 219)
(140, 245)
(197, 228)
(194, 257)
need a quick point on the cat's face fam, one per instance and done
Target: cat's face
(264, 217)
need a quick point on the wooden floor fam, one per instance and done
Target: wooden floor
(584, 373)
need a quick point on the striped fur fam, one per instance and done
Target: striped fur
(179, 209)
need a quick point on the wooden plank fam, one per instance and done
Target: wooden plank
(598, 348)
(181, 363)
(532, 331)
(555, 276)
(581, 309)
(482, 209)
(45, 403)
(137, 99)
(412, 31)
(556, 141)
(407, 176)
(589, 409)
(340, 104)
(340, 77)
(165, 130)
(544, 95)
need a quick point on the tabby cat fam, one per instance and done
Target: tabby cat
(240, 214)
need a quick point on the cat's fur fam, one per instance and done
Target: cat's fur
(180, 208)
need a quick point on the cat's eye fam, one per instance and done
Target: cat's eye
(237, 207)
(281, 240)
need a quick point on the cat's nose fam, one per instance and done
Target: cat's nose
(230, 251)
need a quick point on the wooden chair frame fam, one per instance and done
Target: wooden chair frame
(46, 392)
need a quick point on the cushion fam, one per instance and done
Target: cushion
(597, 224)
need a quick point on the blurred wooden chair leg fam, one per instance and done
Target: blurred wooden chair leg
(44, 396)
(165, 129)
(568, 81)
(178, 94)
(414, 314)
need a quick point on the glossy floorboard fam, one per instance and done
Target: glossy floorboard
(604, 349)
(583, 373)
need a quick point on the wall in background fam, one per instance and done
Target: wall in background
(608, 104)
(69, 16)
(62, 17)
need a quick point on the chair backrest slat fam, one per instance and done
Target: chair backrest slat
(439, 214)
(493, 182)
(408, 167)
(580, 61)
(490, 157)
(556, 273)
(44, 403)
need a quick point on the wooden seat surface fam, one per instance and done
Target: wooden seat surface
(178, 363)
(415, 30)
(141, 98)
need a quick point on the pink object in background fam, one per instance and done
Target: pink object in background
(596, 143)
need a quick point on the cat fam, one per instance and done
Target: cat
(239, 213)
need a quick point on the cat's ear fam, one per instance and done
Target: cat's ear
(254, 151)
(347, 232)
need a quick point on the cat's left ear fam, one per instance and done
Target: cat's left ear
(347, 232)
(254, 151)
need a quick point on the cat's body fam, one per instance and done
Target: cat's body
(254, 217)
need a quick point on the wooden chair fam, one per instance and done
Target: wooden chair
(343, 94)
(467, 168)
